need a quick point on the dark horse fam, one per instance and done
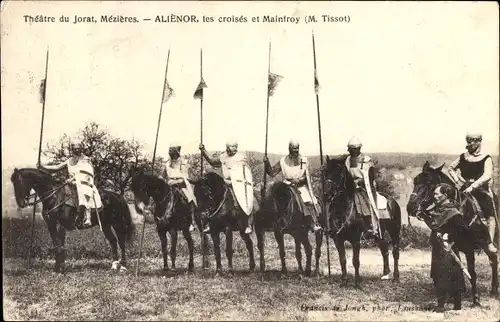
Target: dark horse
(340, 189)
(217, 205)
(422, 197)
(61, 217)
(172, 213)
(282, 213)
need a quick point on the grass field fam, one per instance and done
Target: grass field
(91, 291)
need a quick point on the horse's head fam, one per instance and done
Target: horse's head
(337, 178)
(22, 186)
(209, 190)
(146, 186)
(423, 187)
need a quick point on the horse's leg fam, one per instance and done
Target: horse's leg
(120, 234)
(469, 254)
(61, 254)
(189, 240)
(248, 242)
(204, 248)
(340, 245)
(216, 240)
(317, 252)
(395, 238)
(308, 250)
(173, 247)
(298, 251)
(229, 249)
(356, 247)
(57, 242)
(494, 271)
(260, 233)
(383, 245)
(281, 245)
(162, 233)
(106, 229)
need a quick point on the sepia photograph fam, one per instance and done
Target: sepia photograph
(250, 160)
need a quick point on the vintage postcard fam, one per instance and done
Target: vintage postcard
(250, 160)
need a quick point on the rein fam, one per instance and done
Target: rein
(52, 192)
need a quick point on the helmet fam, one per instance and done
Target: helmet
(231, 142)
(293, 142)
(476, 136)
(354, 142)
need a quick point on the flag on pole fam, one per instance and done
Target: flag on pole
(168, 92)
(198, 93)
(316, 83)
(273, 82)
(42, 91)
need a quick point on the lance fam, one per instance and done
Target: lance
(316, 85)
(201, 112)
(153, 161)
(43, 91)
(263, 192)
(200, 96)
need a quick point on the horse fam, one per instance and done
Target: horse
(282, 214)
(339, 191)
(422, 197)
(217, 206)
(171, 213)
(61, 217)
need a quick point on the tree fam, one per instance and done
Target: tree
(115, 160)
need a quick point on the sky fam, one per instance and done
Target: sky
(401, 76)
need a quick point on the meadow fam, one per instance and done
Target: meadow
(89, 290)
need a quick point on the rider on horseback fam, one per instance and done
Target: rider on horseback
(361, 168)
(226, 161)
(295, 170)
(81, 174)
(177, 175)
(476, 170)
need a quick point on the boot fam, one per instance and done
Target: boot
(491, 229)
(249, 229)
(314, 223)
(88, 219)
(192, 227)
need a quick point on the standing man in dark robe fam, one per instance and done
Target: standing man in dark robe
(448, 226)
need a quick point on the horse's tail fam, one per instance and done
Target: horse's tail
(128, 222)
(126, 216)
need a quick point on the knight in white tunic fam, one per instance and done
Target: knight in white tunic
(366, 199)
(226, 161)
(472, 171)
(81, 175)
(295, 169)
(177, 175)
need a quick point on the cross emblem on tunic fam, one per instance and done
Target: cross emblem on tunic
(302, 162)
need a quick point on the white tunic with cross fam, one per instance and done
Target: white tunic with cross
(299, 171)
(82, 171)
(229, 161)
(180, 169)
